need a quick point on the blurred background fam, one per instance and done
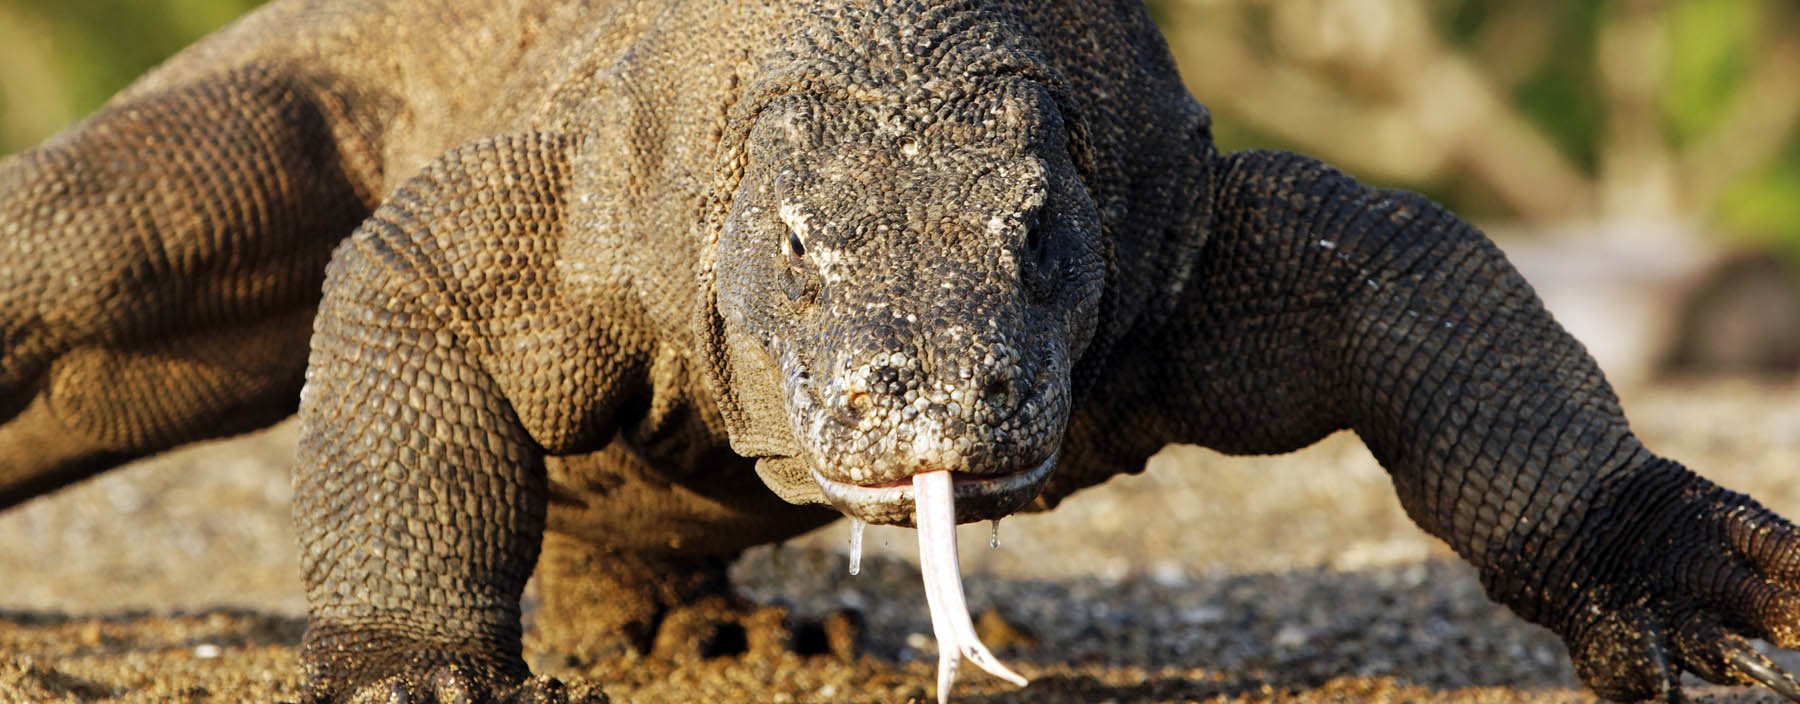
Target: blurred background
(1639, 159)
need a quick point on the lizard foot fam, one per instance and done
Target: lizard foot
(1716, 570)
(367, 665)
(450, 684)
(1632, 656)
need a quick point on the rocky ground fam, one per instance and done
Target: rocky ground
(1292, 579)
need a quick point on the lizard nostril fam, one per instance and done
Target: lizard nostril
(856, 405)
(997, 394)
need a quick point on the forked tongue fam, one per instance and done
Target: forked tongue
(934, 502)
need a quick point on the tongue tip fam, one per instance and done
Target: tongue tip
(935, 519)
(947, 661)
(1003, 672)
(978, 653)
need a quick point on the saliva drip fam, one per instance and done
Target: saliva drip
(994, 534)
(856, 533)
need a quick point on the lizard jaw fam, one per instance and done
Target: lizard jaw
(977, 496)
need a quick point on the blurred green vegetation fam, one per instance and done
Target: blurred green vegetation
(1559, 95)
(1534, 110)
(1765, 206)
(1719, 116)
(66, 57)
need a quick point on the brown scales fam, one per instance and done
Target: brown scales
(609, 280)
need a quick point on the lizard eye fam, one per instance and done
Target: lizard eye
(794, 248)
(1034, 236)
(800, 284)
(1040, 269)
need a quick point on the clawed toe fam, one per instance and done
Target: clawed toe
(1634, 656)
(1754, 665)
(391, 690)
(453, 684)
(446, 684)
(1722, 656)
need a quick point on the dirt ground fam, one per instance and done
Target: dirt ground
(1291, 579)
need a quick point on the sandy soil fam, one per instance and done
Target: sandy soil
(1292, 579)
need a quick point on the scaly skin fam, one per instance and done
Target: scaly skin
(611, 282)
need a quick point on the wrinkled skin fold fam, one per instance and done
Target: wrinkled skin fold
(607, 293)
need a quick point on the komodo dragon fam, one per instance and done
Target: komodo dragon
(616, 290)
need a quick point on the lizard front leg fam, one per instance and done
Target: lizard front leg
(159, 267)
(447, 363)
(1321, 304)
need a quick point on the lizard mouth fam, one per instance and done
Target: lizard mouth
(978, 496)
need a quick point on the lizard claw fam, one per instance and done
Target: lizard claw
(1711, 571)
(1667, 673)
(1754, 665)
(391, 690)
(455, 684)
(452, 685)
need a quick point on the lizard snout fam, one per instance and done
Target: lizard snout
(981, 386)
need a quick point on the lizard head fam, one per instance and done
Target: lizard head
(913, 264)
